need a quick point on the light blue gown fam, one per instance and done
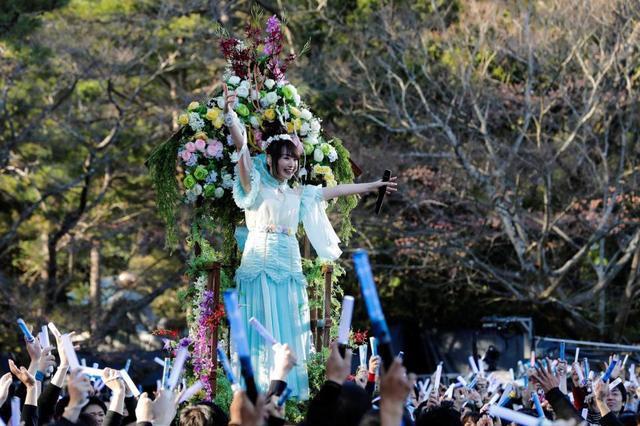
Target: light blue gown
(271, 286)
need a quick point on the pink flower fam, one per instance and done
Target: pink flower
(190, 146)
(214, 149)
(185, 155)
(200, 145)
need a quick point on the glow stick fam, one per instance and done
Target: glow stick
(591, 375)
(577, 358)
(436, 380)
(424, 386)
(562, 349)
(178, 365)
(158, 361)
(239, 337)
(514, 416)
(15, 411)
(69, 351)
(158, 385)
(449, 392)
(473, 383)
(92, 371)
(615, 383)
(632, 374)
(481, 367)
(580, 374)
(191, 391)
(525, 380)
(222, 357)
(362, 353)
(165, 372)
(494, 398)
(586, 367)
(624, 362)
(536, 402)
(127, 365)
(512, 374)
(83, 362)
(462, 381)
(262, 331)
(521, 369)
(585, 413)
(95, 365)
(401, 355)
(472, 363)
(532, 361)
(127, 381)
(374, 346)
(283, 398)
(607, 374)
(345, 320)
(25, 330)
(504, 398)
(44, 337)
(425, 396)
(54, 330)
(372, 302)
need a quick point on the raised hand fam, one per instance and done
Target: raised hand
(545, 377)
(374, 364)
(165, 407)
(229, 98)
(113, 380)
(284, 361)
(5, 383)
(243, 412)
(144, 409)
(361, 376)
(47, 361)
(338, 368)
(22, 374)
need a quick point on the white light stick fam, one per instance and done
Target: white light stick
(615, 383)
(472, 363)
(462, 381)
(362, 352)
(591, 375)
(516, 417)
(15, 411)
(532, 361)
(69, 351)
(585, 413)
(178, 365)
(96, 365)
(165, 372)
(127, 381)
(44, 337)
(481, 367)
(374, 346)
(577, 355)
(92, 371)
(424, 386)
(494, 398)
(624, 362)
(262, 331)
(512, 374)
(191, 390)
(83, 362)
(158, 361)
(632, 374)
(449, 392)
(345, 320)
(580, 375)
(425, 396)
(436, 380)
(54, 330)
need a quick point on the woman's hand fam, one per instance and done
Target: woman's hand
(23, 374)
(229, 98)
(391, 184)
(5, 383)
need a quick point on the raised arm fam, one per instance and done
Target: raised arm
(239, 137)
(359, 188)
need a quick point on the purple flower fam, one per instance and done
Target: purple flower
(193, 160)
(273, 24)
(202, 364)
(184, 342)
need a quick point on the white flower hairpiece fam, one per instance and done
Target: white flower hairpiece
(274, 138)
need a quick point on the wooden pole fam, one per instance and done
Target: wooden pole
(213, 284)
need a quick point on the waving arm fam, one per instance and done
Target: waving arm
(239, 137)
(359, 188)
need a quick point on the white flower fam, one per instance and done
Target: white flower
(195, 121)
(197, 189)
(315, 126)
(255, 95)
(235, 156)
(244, 83)
(254, 121)
(296, 99)
(220, 102)
(318, 156)
(304, 129)
(280, 83)
(227, 181)
(312, 139)
(234, 79)
(191, 196)
(219, 192)
(302, 173)
(269, 83)
(333, 155)
(305, 114)
(242, 91)
(271, 98)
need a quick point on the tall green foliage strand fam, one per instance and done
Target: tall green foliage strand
(162, 167)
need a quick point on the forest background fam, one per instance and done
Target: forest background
(513, 127)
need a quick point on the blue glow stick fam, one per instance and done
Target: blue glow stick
(374, 346)
(239, 337)
(526, 380)
(283, 398)
(586, 367)
(165, 372)
(607, 374)
(376, 316)
(362, 352)
(562, 350)
(401, 355)
(25, 330)
(536, 402)
(127, 365)
(473, 382)
(222, 357)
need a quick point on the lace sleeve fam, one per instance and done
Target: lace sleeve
(316, 223)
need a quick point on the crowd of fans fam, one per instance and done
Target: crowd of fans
(545, 392)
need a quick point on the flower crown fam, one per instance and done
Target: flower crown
(270, 139)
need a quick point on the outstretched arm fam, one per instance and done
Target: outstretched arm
(238, 135)
(359, 188)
